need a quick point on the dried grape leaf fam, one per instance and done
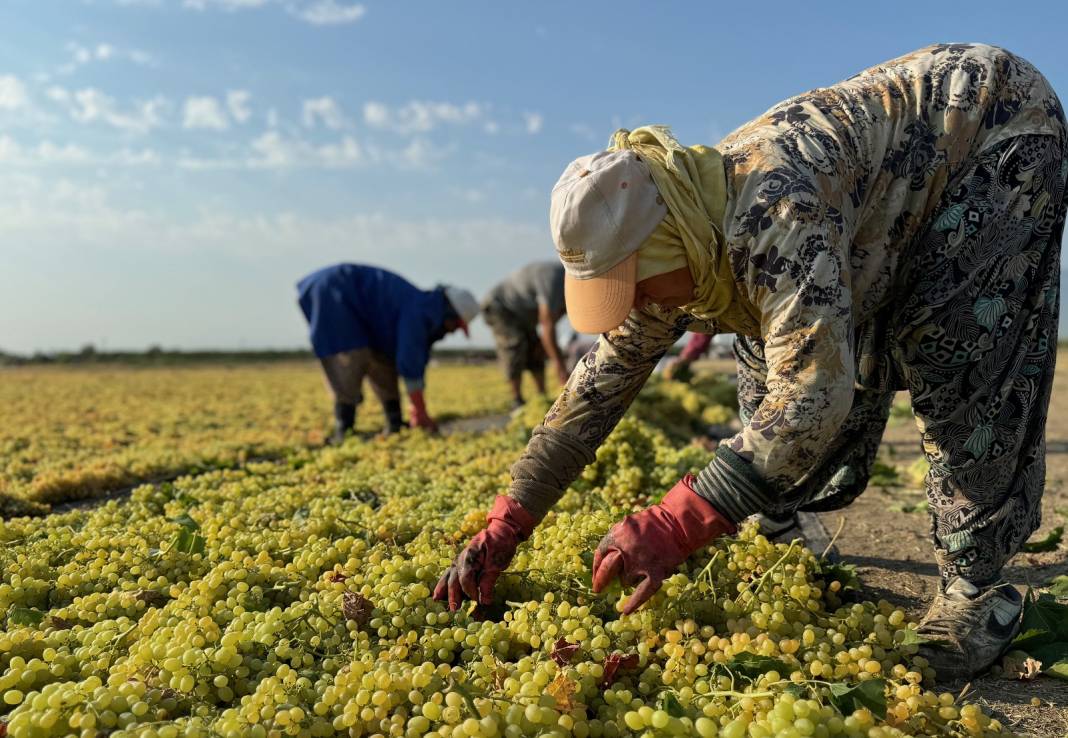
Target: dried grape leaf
(356, 607)
(57, 623)
(563, 651)
(1021, 665)
(563, 690)
(336, 575)
(613, 663)
(151, 597)
(1054, 659)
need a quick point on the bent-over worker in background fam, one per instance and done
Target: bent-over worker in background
(898, 230)
(529, 298)
(369, 322)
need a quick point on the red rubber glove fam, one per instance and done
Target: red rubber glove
(476, 568)
(696, 347)
(417, 412)
(645, 548)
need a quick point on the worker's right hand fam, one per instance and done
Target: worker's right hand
(420, 418)
(562, 374)
(474, 571)
(645, 548)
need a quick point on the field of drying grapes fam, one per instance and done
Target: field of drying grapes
(209, 569)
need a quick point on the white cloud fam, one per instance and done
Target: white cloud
(314, 12)
(491, 127)
(279, 151)
(272, 118)
(223, 4)
(90, 105)
(81, 55)
(12, 93)
(274, 151)
(205, 112)
(328, 12)
(419, 154)
(46, 153)
(420, 116)
(324, 110)
(237, 103)
(376, 114)
(534, 122)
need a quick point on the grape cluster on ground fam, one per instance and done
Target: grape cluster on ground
(71, 433)
(290, 596)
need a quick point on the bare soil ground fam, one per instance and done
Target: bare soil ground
(895, 561)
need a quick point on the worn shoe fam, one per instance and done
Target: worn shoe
(344, 420)
(802, 525)
(970, 627)
(394, 419)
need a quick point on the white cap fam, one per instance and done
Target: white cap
(602, 209)
(464, 303)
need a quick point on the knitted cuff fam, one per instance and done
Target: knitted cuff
(551, 462)
(733, 487)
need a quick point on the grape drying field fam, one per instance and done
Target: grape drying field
(254, 583)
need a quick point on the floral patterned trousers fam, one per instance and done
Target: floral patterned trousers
(972, 335)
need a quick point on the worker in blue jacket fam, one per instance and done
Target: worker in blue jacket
(368, 322)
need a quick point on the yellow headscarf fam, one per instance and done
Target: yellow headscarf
(694, 187)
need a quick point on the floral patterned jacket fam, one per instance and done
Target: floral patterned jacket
(826, 191)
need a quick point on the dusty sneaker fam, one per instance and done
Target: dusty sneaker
(970, 627)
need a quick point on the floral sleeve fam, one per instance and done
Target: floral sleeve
(607, 379)
(800, 284)
(599, 392)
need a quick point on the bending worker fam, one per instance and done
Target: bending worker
(696, 347)
(898, 230)
(530, 298)
(368, 322)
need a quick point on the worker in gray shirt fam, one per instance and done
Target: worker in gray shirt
(530, 298)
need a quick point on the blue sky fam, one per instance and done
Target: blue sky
(169, 168)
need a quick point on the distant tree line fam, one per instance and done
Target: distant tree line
(159, 356)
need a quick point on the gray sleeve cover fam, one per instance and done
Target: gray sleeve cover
(733, 487)
(552, 461)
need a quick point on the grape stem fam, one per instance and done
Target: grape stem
(754, 589)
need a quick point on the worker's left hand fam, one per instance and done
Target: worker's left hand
(645, 548)
(417, 413)
(475, 570)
